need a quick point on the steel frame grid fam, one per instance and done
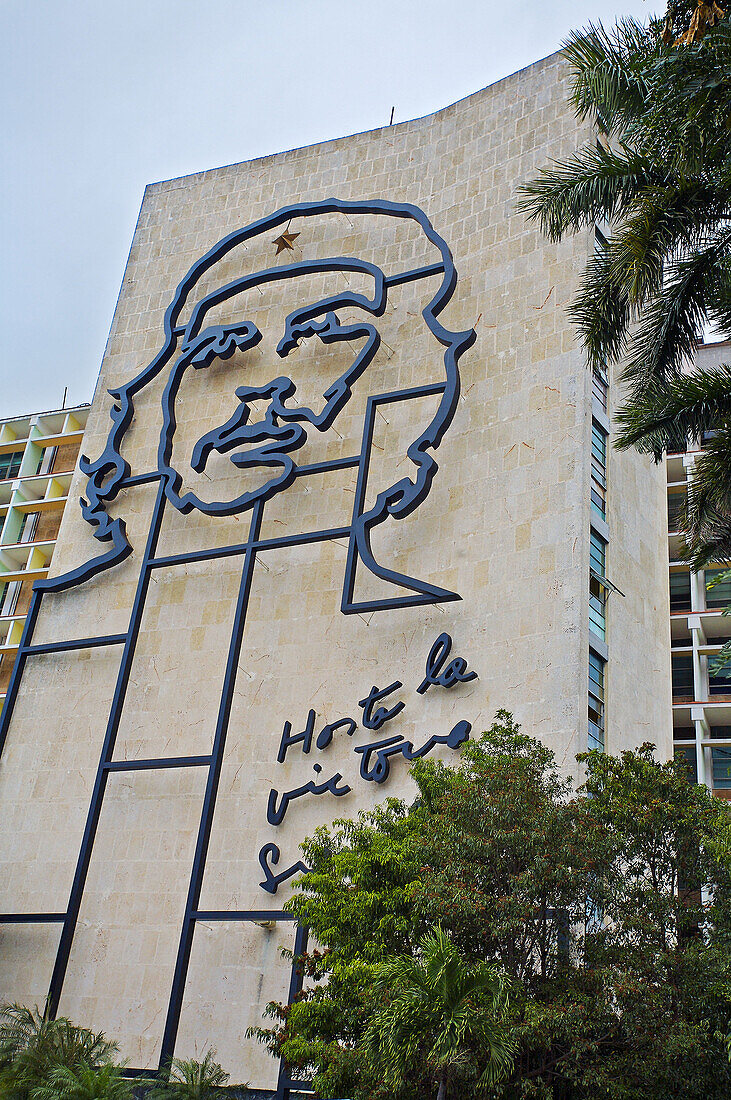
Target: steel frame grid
(248, 551)
(358, 533)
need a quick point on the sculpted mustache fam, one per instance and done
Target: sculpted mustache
(276, 438)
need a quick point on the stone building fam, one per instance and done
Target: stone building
(359, 432)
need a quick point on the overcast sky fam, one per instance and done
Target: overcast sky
(101, 97)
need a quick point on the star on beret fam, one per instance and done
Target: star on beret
(284, 241)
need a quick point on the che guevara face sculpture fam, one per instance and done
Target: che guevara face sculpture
(290, 373)
(257, 438)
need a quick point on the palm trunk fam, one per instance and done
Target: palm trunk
(442, 1092)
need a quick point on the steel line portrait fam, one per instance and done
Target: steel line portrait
(272, 443)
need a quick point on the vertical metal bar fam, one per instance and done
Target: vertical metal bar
(295, 985)
(97, 796)
(282, 1092)
(17, 673)
(360, 487)
(209, 801)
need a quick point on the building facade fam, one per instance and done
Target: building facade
(349, 491)
(699, 628)
(38, 455)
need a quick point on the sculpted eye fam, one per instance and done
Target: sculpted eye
(297, 330)
(219, 342)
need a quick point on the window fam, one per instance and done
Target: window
(721, 731)
(683, 733)
(598, 470)
(719, 685)
(719, 595)
(10, 465)
(675, 507)
(721, 758)
(9, 592)
(28, 526)
(680, 591)
(597, 589)
(682, 668)
(599, 387)
(597, 554)
(596, 701)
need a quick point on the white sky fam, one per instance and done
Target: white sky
(101, 97)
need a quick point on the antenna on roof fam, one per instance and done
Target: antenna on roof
(390, 121)
(65, 391)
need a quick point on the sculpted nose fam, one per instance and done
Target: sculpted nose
(238, 431)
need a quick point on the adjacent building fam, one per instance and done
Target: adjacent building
(38, 455)
(699, 628)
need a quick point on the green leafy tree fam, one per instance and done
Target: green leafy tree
(191, 1080)
(357, 902)
(440, 1011)
(505, 862)
(610, 916)
(658, 173)
(662, 950)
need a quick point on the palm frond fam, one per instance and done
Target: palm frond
(706, 521)
(594, 184)
(437, 1010)
(188, 1079)
(602, 311)
(665, 417)
(672, 323)
(605, 83)
(84, 1083)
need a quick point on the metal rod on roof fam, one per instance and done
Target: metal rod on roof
(65, 391)
(390, 121)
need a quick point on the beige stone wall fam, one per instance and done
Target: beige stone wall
(506, 526)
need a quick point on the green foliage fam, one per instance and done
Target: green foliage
(33, 1048)
(85, 1083)
(357, 903)
(660, 173)
(503, 852)
(191, 1080)
(437, 1010)
(608, 910)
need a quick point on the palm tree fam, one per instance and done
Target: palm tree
(659, 170)
(191, 1080)
(32, 1046)
(441, 1012)
(85, 1083)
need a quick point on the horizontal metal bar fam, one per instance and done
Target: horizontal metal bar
(199, 555)
(407, 395)
(414, 274)
(242, 547)
(299, 540)
(330, 464)
(139, 479)
(242, 914)
(154, 764)
(76, 643)
(32, 918)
